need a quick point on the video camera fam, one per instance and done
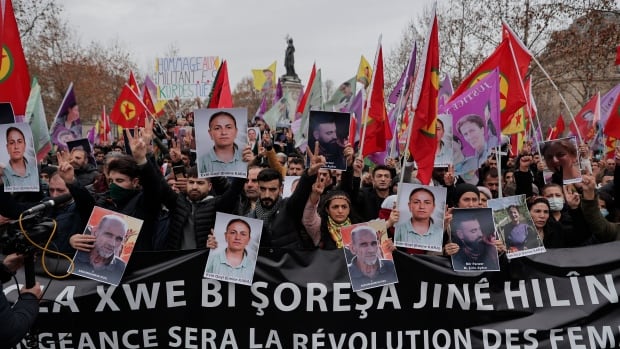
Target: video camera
(12, 240)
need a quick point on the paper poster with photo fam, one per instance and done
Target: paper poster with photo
(221, 136)
(19, 162)
(234, 259)
(254, 138)
(83, 144)
(185, 136)
(447, 147)
(561, 156)
(331, 130)
(473, 230)
(115, 236)
(516, 226)
(369, 264)
(290, 183)
(420, 223)
(475, 126)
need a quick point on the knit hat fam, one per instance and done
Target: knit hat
(484, 190)
(463, 188)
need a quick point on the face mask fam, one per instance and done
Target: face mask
(119, 194)
(604, 212)
(556, 204)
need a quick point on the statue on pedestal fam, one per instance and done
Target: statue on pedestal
(289, 61)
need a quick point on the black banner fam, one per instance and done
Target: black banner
(565, 298)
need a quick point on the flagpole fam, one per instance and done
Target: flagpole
(369, 98)
(570, 113)
(399, 112)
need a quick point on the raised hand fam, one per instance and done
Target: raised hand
(175, 152)
(572, 198)
(448, 177)
(211, 241)
(316, 161)
(588, 187)
(348, 154)
(65, 169)
(247, 154)
(137, 145)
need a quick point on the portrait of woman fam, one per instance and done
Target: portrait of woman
(561, 156)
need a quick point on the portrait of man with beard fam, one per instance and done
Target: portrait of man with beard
(474, 231)
(331, 130)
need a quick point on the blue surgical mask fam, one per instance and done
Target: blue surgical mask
(604, 212)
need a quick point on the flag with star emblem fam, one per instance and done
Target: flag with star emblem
(127, 109)
(14, 78)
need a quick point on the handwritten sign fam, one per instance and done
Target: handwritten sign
(185, 77)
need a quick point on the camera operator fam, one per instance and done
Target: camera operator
(17, 320)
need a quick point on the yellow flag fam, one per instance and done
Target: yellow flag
(517, 122)
(364, 72)
(265, 79)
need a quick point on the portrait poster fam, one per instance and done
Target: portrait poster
(474, 231)
(516, 226)
(115, 237)
(446, 147)
(221, 136)
(18, 160)
(254, 138)
(290, 183)
(83, 144)
(475, 126)
(421, 219)
(331, 130)
(369, 263)
(561, 156)
(185, 136)
(234, 259)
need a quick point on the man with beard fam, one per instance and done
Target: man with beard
(85, 172)
(282, 216)
(247, 201)
(192, 213)
(367, 268)
(324, 131)
(98, 256)
(477, 249)
(489, 178)
(367, 201)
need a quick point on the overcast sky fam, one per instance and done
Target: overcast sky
(248, 34)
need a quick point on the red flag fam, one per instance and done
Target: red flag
(221, 97)
(104, 132)
(618, 55)
(423, 142)
(127, 109)
(587, 118)
(512, 92)
(377, 125)
(306, 95)
(14, 78)
(148, 101)
(558, 129)
(612, 127)
(522, 55)
(133, 83)
(610, 147)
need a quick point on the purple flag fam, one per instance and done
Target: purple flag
(67, 114)
(379, 157)
(475, 123)
(263, 107)
(607, 102)
(279, 94)
(445, 90)
(148, 83)
(405, 77)
(356, 108)
(91, 135)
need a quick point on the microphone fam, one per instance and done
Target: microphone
(49, 203)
